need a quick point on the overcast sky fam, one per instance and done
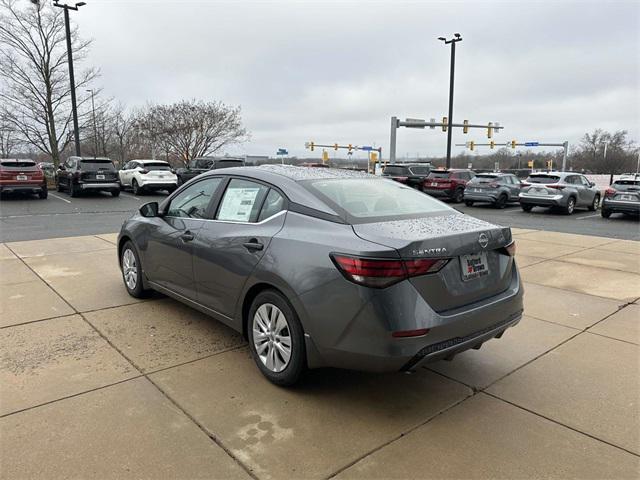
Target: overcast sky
(337, 71)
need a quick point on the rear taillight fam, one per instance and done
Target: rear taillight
(609, 192)
(556, 186)
(493, 185)
(511, 249)
(401, 179)
(144, 171)
(410, 333)
(379, 273)
(524, 184)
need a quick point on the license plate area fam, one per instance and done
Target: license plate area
(21, 177)
(629, 198)
(474, 265)
(99, 177)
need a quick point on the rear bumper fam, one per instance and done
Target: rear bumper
(23, 188)
(159, 184)
(100, 186)
(490, 197)
(438, 192)
(365, 342)
(543, 200)
(619, 206)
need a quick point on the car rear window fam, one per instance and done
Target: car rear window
(485, 178)
(96, 164)
(419, 170)
(627, 182)
(543, 179)
(19, 164)
(228, 164)
(395, 170)
(439, 174)
(373, 200)
(156, 166)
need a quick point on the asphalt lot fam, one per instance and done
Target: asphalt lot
(99, 385)
(62, 216)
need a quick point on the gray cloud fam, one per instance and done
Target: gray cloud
(337, 71)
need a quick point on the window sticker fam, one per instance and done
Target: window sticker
(238, 203)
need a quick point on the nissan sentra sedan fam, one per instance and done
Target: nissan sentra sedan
(321, 267)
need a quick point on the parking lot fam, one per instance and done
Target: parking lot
(97, 384)
(62, 216)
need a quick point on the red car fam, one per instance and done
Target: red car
(22, 176)
(449, 184)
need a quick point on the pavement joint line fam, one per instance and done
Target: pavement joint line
(402, 434)
(187, 362)
(133, 364)
(108, 241)
(553, 323)
(612, 338)
(563, 424)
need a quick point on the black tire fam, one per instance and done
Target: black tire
(501, 202)
(571, 205)
(73, 191)
(121, 186)
(458, 195)
(468, 203)
(596, 202)
(526, 208)
(138, 291)
(115, 193)
(135, 187)
(605, 213)
(59, 187)
(297, 363)
(44, 193)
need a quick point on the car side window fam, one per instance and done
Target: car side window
(241, 201)
(273, 204)
(585, 181)
(194, 200)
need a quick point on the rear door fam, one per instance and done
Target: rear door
(170, 246)
(228, 249)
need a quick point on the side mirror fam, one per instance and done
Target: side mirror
(592, 184)
(149, 210)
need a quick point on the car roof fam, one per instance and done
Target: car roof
(149, 161)
(17, 160)
(288, 178)
(495, 174)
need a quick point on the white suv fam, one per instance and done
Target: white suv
(146, 175)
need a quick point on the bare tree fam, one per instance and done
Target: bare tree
(33, 67)
(190, 129)
(8, 136)
(590, 154)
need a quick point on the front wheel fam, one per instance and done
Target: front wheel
(468, 203)
(458, 195)
(276, 339)
(605, 213)
(501, 202)
(526, 208)
(73, 189)
(596, 202)
(132, 271)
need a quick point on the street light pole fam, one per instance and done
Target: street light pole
(95, 128)
(74, 109)
(453, 41)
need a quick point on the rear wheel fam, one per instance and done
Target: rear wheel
(596, 202)
(132, 271)
(605, 213)
(44, 193)
(135, 187)
(276, 338)
(501, 202)
(571, 205)
(115, 193)
(458, 195)
(526, 208)
(468, 203)
(73, 189)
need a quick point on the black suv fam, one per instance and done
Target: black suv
(202, 164)
(82, 174)
(623, 196)
(409, 174)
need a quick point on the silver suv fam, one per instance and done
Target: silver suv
(495, 188)
(563, 190)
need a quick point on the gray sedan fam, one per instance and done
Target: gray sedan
(321, 267)
(497, 189)
(565, 191)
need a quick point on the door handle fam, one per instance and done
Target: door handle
(187, 236)
(253, 245)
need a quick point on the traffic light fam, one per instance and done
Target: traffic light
(444, 124)
(325, 156)
(513, 144)
(350, 148)
(530, 163)
(335, 147)
(374, 157)
(492, 144)
(471, 145)
(490, 130)
(465, 126)
(311, 146)
(549, 164)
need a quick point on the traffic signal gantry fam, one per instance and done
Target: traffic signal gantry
(374, 153)
(444, 124)
(513, 144)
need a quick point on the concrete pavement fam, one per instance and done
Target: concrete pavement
(96, 384)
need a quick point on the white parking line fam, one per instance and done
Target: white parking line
(59, 198)
(129, 195)
(588, 216)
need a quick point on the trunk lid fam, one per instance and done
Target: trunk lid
(460, 238)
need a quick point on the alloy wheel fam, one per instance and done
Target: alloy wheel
(272, 337)
(129, 269)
